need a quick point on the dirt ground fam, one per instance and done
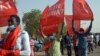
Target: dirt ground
(96, 52)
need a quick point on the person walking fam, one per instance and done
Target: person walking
(82, 44)
(16, 43)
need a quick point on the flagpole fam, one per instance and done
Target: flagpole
(62, 27)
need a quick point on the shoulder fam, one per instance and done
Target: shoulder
(23, 32)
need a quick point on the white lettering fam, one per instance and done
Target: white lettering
(4, 6)
(8, 5)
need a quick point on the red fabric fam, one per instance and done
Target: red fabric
(75, 40)
(77, 24)
(57, 9)
(16, 53)
(47, 45)
(11, 41)
(81, 10)
(43, 19)
(45, 12)
(7, 8)
(54, 17)
(69, 23)
(4, 52)
(50, 25)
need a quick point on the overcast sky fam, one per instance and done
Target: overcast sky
(27, 5)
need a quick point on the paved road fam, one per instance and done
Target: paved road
(96, 52)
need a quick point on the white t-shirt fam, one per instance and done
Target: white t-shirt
(23, 44)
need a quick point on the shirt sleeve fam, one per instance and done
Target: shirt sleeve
(25, 45)
(89, 29)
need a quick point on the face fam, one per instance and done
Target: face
(14, 21)
(12, 25)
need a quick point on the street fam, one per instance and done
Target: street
(96, 52)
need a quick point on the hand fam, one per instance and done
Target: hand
(5, 52)
(16, 52)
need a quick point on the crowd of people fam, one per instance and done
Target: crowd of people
(18, 42)
(83, 42)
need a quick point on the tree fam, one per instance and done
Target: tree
(31, 20)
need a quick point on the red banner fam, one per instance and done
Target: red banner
(53, 18)
(43, 20)
(7, 8)
(69, 23)
(45, 12)
(81, 10)
(49, 25)
(57, 9)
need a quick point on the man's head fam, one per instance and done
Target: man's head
(81, 30)
(13, 21)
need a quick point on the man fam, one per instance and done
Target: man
(17, 41)
(62, 45)
(67, 40)
(54, 44)
(82, 44)
(54, 49)
(90, 43)
(48, 43)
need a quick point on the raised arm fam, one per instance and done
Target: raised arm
(89, 29)
(60, 31)
(74, 30)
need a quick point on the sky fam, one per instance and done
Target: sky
(27, 5)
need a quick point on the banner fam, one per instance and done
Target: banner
(7, 8)
(49, 25)
(43, 20)
(81, 10)
(69, 24)
(57, 9)
(45, 12)
(54, 17)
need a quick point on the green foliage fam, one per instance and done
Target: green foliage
(31, 20)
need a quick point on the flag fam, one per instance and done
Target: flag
(81, 10)
(49, 25)
(7, 8)
(43, 20)
(57, 9)
(55, 15)
(45, 12)
(68, 19)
